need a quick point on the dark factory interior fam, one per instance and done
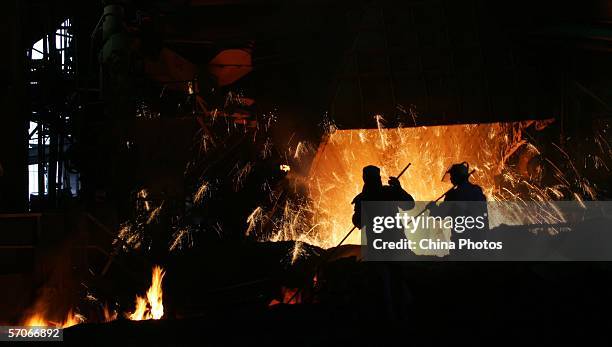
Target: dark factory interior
(169, 168)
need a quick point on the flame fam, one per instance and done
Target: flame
(36, 320)
(140, 312)
(147, 307)
(151, 306)
(154, 294)
(109, 315)
(39, 320)
(72, 319)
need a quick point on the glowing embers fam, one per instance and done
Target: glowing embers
(335, 176)
(289, 296)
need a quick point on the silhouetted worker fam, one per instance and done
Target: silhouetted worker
(464, 189)
(374, 190)
(395, 296)
(462, 201)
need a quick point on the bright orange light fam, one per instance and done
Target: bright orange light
(39, 320)
(36, 320)
(335, 175)
(285, 168)
(152, 306)
(336, 170)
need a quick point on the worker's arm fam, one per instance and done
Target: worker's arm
(441, 209)
(407, 201)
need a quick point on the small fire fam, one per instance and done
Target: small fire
(72, 319)
(152, 306)
(109, 315)
(39, 320)
(147, 307)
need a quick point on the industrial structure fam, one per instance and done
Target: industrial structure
(219, 140)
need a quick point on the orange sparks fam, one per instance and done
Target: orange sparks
(335, 176)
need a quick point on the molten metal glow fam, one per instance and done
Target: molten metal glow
(335, 176)
(152, 306)
(336, 171)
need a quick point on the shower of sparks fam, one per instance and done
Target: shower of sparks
(218, 229)
(155, 213)
(198, 197)
(297, 251)
(181, 239)
(328, 125)
(301, 149)
(143, 194)
(266, 151)
(255, 218)
(240, 176)
(206, 141)
(411, 111)
(380, 125)
(130, 235)
(269, 120)
(324, 217)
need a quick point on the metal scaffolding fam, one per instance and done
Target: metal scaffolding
(51, 77)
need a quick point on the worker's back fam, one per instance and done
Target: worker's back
(392, 197)
(466, 191)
